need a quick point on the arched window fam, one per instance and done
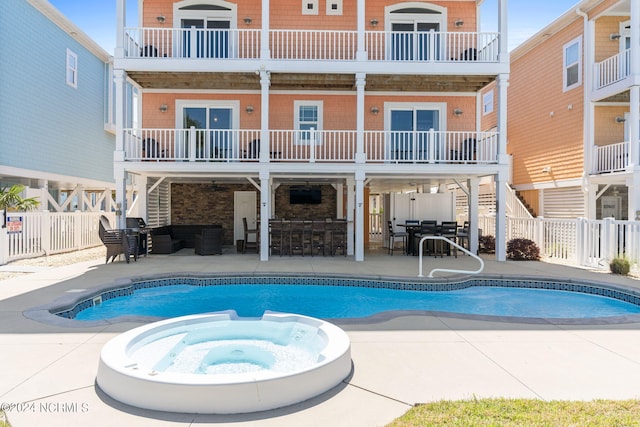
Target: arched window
(206, 27)
(416, 29)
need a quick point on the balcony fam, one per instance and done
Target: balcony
(612, 70)
(311, 45)
(611, 158)
(327, 146)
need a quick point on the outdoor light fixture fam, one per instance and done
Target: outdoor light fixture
(546, 169)
(249, 109)
(374, 22)
(458, 112)
(248, 20)
(620, 119)
(161, 19)
(459, 23)
(614, 36)
(374, 110)
(164, 108)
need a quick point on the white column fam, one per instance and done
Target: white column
(44, 195)
(634, 135)
(121, 196)
(503, 29)
(143, 196)
(121, 21)
(359, 217)
(361, 54)
(473, 185)
(633, 188)
(265, 143)
(350, 210)
(502, 116)
(265, 214)
(360, 156)
(119, 171)
(501, 216)
(265, 53)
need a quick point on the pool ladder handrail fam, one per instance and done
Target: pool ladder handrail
(450, 270)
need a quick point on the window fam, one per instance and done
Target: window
(72, 69)
(309, 7)
(487, 102)
(308, 118)
(572, 64)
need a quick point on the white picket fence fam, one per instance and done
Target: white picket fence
(580, 242)
(46, 233)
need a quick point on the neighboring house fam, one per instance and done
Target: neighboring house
(247, 106)
(574, 97)
(55, 138)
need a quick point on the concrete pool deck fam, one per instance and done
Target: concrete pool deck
(48, 373)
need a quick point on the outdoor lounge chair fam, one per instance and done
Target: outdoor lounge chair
(117, 241)
(209, 241)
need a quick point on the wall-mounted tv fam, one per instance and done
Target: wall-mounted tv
(304, 195)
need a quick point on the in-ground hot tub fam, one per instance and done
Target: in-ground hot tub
(219, 363)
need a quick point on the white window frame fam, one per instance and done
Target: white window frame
(314, 7)
(71, 73)
(578, 63)
(487, 103)
(296, 120)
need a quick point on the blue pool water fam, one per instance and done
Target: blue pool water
(333, 302)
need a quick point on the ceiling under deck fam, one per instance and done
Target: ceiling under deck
(310, 81)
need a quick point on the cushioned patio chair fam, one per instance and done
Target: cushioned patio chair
(209, 242)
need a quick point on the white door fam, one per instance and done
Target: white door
(244, 206)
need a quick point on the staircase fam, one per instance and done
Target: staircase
(532, 212)
(516, 207)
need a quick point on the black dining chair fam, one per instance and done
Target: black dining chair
(449, 229)
(427, 228)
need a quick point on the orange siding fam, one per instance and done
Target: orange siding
(607, 131)
(545, 126)
(605, 47)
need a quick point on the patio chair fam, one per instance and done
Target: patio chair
(253, 245)
(117, 241)
(209, 241)
(393, 235)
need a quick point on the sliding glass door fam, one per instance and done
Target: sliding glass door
(411, 139)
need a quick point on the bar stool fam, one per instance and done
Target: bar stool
(338, 236)
(276, 238)
(393, 235)
(318, 236)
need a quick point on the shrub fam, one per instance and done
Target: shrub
(523, 250)
(620, 265)
(486, 244)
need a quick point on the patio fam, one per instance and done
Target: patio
(49, 372)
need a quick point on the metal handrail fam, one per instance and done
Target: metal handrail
(448, 269)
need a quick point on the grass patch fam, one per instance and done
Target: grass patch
(522, 412)
(3, 420)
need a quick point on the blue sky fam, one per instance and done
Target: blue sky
(97, 18)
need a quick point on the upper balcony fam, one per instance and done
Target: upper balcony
(311, 45)
(294, 146)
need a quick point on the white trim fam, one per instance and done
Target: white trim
(319, 104)
(314, 10)
(441, 107)
(576, 182)
(307, 93)
(487, 102)
(181, 104)
(579, 61)
(71, 79)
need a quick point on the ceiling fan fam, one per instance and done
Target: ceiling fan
(217, 187)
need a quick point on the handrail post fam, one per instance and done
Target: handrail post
(450, 270)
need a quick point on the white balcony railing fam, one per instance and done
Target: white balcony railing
(611, 158)
(432, 46)
(612, 69)
(336, 146)
(194, 43)
(313, 45)
(316, 45)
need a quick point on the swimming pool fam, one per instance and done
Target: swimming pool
(350, 298)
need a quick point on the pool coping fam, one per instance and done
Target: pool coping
(48, 313)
